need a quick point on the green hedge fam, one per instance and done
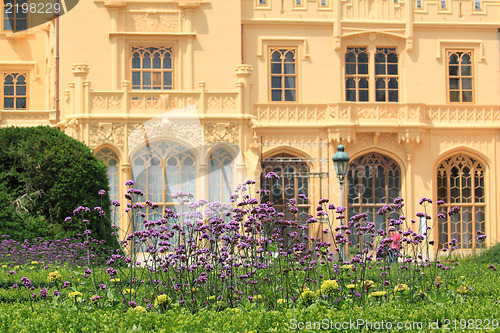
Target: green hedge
(44, 175)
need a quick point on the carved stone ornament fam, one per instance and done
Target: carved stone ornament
(106, 132)
(222, 132)
(143, 134)
(154, 22)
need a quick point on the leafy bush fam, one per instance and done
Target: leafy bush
(43, 173)
(490, 256)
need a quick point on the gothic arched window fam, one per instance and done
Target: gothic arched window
(220, 178)
(373, 180)
(161, 170)
(294, 180)
(460, 182)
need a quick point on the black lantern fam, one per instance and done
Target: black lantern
(341, 162)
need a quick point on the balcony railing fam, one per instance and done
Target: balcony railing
(377, 114)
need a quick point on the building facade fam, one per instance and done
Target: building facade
(200, 95)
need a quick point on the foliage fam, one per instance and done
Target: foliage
(488, 256)
(43, 172)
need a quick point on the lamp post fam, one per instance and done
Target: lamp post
(341, 162)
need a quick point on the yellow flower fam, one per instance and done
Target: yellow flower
(346, 267)
(34, 262)
(74, 294)
(114, 280)
(211, 298)
(235, 310)
(194, 290)
(367, 284)
(437, 279)
(4, 266)
(281, 301)
(350, 286)
(463, 289)
(401, 287)
(378, 294)
(162, 299)
(128, 291)
(462, 277)
(329, 287)
(309, 296)
(54, 276)
(257, 297)
(16, 267)
(139, 309)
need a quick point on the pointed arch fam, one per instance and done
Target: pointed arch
(374, 179)
(461, 181)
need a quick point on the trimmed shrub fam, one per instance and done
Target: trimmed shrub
(44, 175)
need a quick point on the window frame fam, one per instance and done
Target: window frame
(327, 4)
(473, 205)
(387, 77)
(460, 77)
(371, 51)
(271, 49)
(357, 203)
(172, 70)
(2, 86)
(15, 18)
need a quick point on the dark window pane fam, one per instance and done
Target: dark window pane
(21, 91)
(362, 68)
(21, 103)
(350, 69)
(167, 80)
(454, 96)
(167, 61)
(392, 58)
(466, 83)
(276, 95)
(380, 95)
(363, 57)
(8, 90)
(146, 61)
(136, 62)
(466, 70)
(393, 96)
(350, 95)
(276, 82)
(8, 103)
(290, 82)
(453, 70)
(380, 84)
(289, 68)
(290, 95)
(467, 96)
(363, 83)
(156, 61)
(275, 68)
(136, 78)
(454, 83)
(20, 25)
(466, 59)
(379, 69)
(379, 58)
(392, 69)
(350, 83)
(363, 95)
(453, 59)
(146, 79)
(350, 57)
(393, 83)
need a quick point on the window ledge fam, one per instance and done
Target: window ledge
(16, 35)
